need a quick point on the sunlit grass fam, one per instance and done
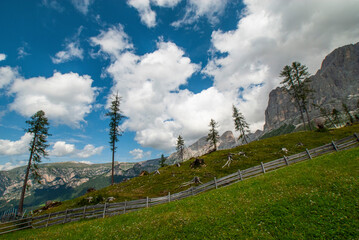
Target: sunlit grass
(172, 177)
(316, 199)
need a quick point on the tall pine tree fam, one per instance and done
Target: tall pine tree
(213, 136)
(115, 115)
(180, 147)
(297, 84)
(38, 128)
(240, 124)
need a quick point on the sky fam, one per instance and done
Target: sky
(176, 64)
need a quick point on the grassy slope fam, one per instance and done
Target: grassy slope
(172, 177)
(313, 199)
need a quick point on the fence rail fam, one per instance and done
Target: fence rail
(111, 209)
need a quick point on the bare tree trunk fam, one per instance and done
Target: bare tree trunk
(22, 197)
(113, 163)
(308, 118)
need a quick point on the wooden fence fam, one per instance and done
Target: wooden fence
(111, 209)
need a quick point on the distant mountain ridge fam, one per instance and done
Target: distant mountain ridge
(65, 180)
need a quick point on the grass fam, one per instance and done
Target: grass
(316, 199)
(172, 177)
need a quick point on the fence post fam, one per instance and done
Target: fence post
(104, 210)
(356, 135)
(192, 191)
(308, 153)
(240, 175)
(65, 216)
(146, 202)
(84, 213)
(264, 171)
(47, 222)
(169, 196)
(286, 160)
(124, 209)
(334, 146)
(215, 182)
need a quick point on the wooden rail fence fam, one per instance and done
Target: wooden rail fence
(111, 209)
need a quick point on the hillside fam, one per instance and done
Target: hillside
(310, 200)
(173, 179)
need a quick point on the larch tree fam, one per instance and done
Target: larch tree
(296, 82)
(240, 124)
(116, 116)
(213, 135)
(347, 112)
(180, 147)
(38, 128)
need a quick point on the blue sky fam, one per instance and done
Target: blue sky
(175, 63)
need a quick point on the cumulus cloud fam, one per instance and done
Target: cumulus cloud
(65, 98)
(2, 56)
(82, 5)
(147, 15)
(272, 34)
(139, 154)
(61, 149)
(7, 76)
(211, 9)
(18, 147)
(113, 41)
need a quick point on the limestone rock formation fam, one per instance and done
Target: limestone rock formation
(335, 82)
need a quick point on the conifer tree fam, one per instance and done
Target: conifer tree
(162, 160)
(115, 115)
(297, 84)
(180, 147)
(240, 124)
(38, 128)
(213, 136)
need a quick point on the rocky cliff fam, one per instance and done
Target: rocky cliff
(61, 181)
(336, 82)
(201, 147)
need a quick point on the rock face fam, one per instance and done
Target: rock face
(61, 181)
(336, 82)
(201, 147)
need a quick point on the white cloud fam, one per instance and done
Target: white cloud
(65, 98)
(72, 49)
(139, 154)
(148, 16)
(7, 76)
(2, 56)
(71, 52)
(272, 34)
(23, 50)
(113, 41)
(211, 9)
(18, 147)
(89, 150)
(53, 4)
(10, 165)
(61, 149)
(82, 5)
(144, 90)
